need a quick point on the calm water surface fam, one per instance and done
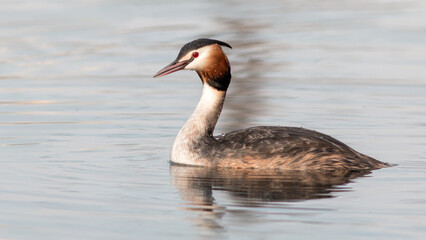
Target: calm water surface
(85, 132)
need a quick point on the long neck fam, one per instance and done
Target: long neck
(203, 121)
(216, 76)
(190, 143)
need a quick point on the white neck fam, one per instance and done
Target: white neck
(201, 124)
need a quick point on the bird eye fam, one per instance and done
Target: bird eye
(195, 54)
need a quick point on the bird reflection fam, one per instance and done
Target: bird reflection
(252, 188)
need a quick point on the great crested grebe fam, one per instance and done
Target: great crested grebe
(264, 147)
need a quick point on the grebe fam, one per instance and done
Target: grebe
(263, 147)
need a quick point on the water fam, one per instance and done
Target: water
(85, 132)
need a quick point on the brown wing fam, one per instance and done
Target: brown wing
(286, 147)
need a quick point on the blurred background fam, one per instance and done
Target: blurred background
(85, 131)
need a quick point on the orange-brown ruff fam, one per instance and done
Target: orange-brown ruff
(261, 147)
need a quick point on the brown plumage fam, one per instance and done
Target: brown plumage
(257, 147)
(281, 147)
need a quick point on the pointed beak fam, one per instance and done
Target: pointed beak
(173, 67)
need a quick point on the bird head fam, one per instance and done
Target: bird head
(207, 58)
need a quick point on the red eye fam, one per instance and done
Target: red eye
(195, 54)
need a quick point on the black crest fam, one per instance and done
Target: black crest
(196, 44)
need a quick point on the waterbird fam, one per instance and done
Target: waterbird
(261, 147)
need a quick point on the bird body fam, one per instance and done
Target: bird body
(263, 147)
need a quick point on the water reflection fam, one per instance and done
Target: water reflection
(251, 188)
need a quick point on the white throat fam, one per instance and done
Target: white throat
(200, 125)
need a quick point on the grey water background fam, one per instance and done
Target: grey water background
(85, 131)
